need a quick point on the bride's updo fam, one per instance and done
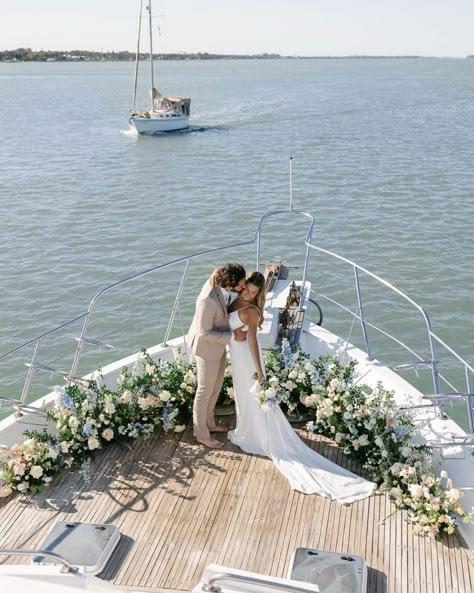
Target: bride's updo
(258, 280)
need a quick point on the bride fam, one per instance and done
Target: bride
(269, 433)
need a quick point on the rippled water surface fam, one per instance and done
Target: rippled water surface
(382, 157)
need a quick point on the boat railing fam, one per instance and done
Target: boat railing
(360, 315)
(83, 340)
(432, 363)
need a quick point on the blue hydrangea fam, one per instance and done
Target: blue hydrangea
(67, 401)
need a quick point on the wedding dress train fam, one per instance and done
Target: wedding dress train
(270, 434)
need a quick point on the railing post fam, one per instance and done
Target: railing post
(175, 306)
(361, 315)
(305, 268)
(77, 355)
(29, 375)
(469, 402)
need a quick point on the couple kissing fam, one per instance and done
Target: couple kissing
(218, 322)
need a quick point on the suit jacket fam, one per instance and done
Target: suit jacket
(210, 331)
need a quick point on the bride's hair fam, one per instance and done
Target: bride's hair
(258, 280)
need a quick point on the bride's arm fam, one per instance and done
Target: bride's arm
(250, 318)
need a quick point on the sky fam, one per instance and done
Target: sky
(442, 28)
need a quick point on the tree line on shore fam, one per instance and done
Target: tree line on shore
(22, 54)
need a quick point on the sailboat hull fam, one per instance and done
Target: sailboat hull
(160, 122)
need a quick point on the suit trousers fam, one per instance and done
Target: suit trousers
(210, 375)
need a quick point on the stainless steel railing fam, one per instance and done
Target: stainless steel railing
(360, 314)
(67, 567)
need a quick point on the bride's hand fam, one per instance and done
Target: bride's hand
(261, 377)
(240, 335)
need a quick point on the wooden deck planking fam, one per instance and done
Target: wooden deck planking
(181, 507)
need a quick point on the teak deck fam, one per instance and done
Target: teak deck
(180, 507)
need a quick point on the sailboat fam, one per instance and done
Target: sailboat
(165, 114)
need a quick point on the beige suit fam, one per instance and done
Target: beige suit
(208, 336)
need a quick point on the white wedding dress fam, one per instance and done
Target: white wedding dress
(270, 434)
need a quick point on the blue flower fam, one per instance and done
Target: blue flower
(287, 357)
(67, 401)
(87, 429)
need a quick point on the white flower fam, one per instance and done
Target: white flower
(92, 443)
(108, 434)
(150, 369)
(453, 494)
(52, 453)
(443, 474)
(125, 397)
(85, 405)
(406, 451)
(179, 428)
(36, 471)
(230, 392)
(5, 491)
(73, 422)
(19, 469)
(415, 490)
(64, 446)
(363, 440)
(23, 486)
(109, 407)
(165, 396)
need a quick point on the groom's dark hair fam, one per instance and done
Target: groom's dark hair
(230, 275)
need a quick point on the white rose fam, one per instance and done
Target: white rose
(5, 491)
(92, 443)
(108, 434)
(23, 486)
(443, 474)
(64, 446)
(363, 440)
(19, 469)
(165, 396)
(36, 471)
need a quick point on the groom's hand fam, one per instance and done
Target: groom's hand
(239, 335)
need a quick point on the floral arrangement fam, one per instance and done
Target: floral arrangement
(153, 395)
(31, 465)
(87, 416)
(369, 427)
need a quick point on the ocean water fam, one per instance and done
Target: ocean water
(382, 158)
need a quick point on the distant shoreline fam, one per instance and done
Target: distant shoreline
(28, 55)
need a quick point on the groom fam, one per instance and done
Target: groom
(208, 336)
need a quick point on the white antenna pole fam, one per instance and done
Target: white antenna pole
(291, 184)
(151, 52)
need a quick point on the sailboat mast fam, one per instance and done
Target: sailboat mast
(151, 52)
(137, 57)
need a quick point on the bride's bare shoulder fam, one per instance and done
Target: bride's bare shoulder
(249, 313)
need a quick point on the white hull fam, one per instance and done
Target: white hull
(156, 124)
